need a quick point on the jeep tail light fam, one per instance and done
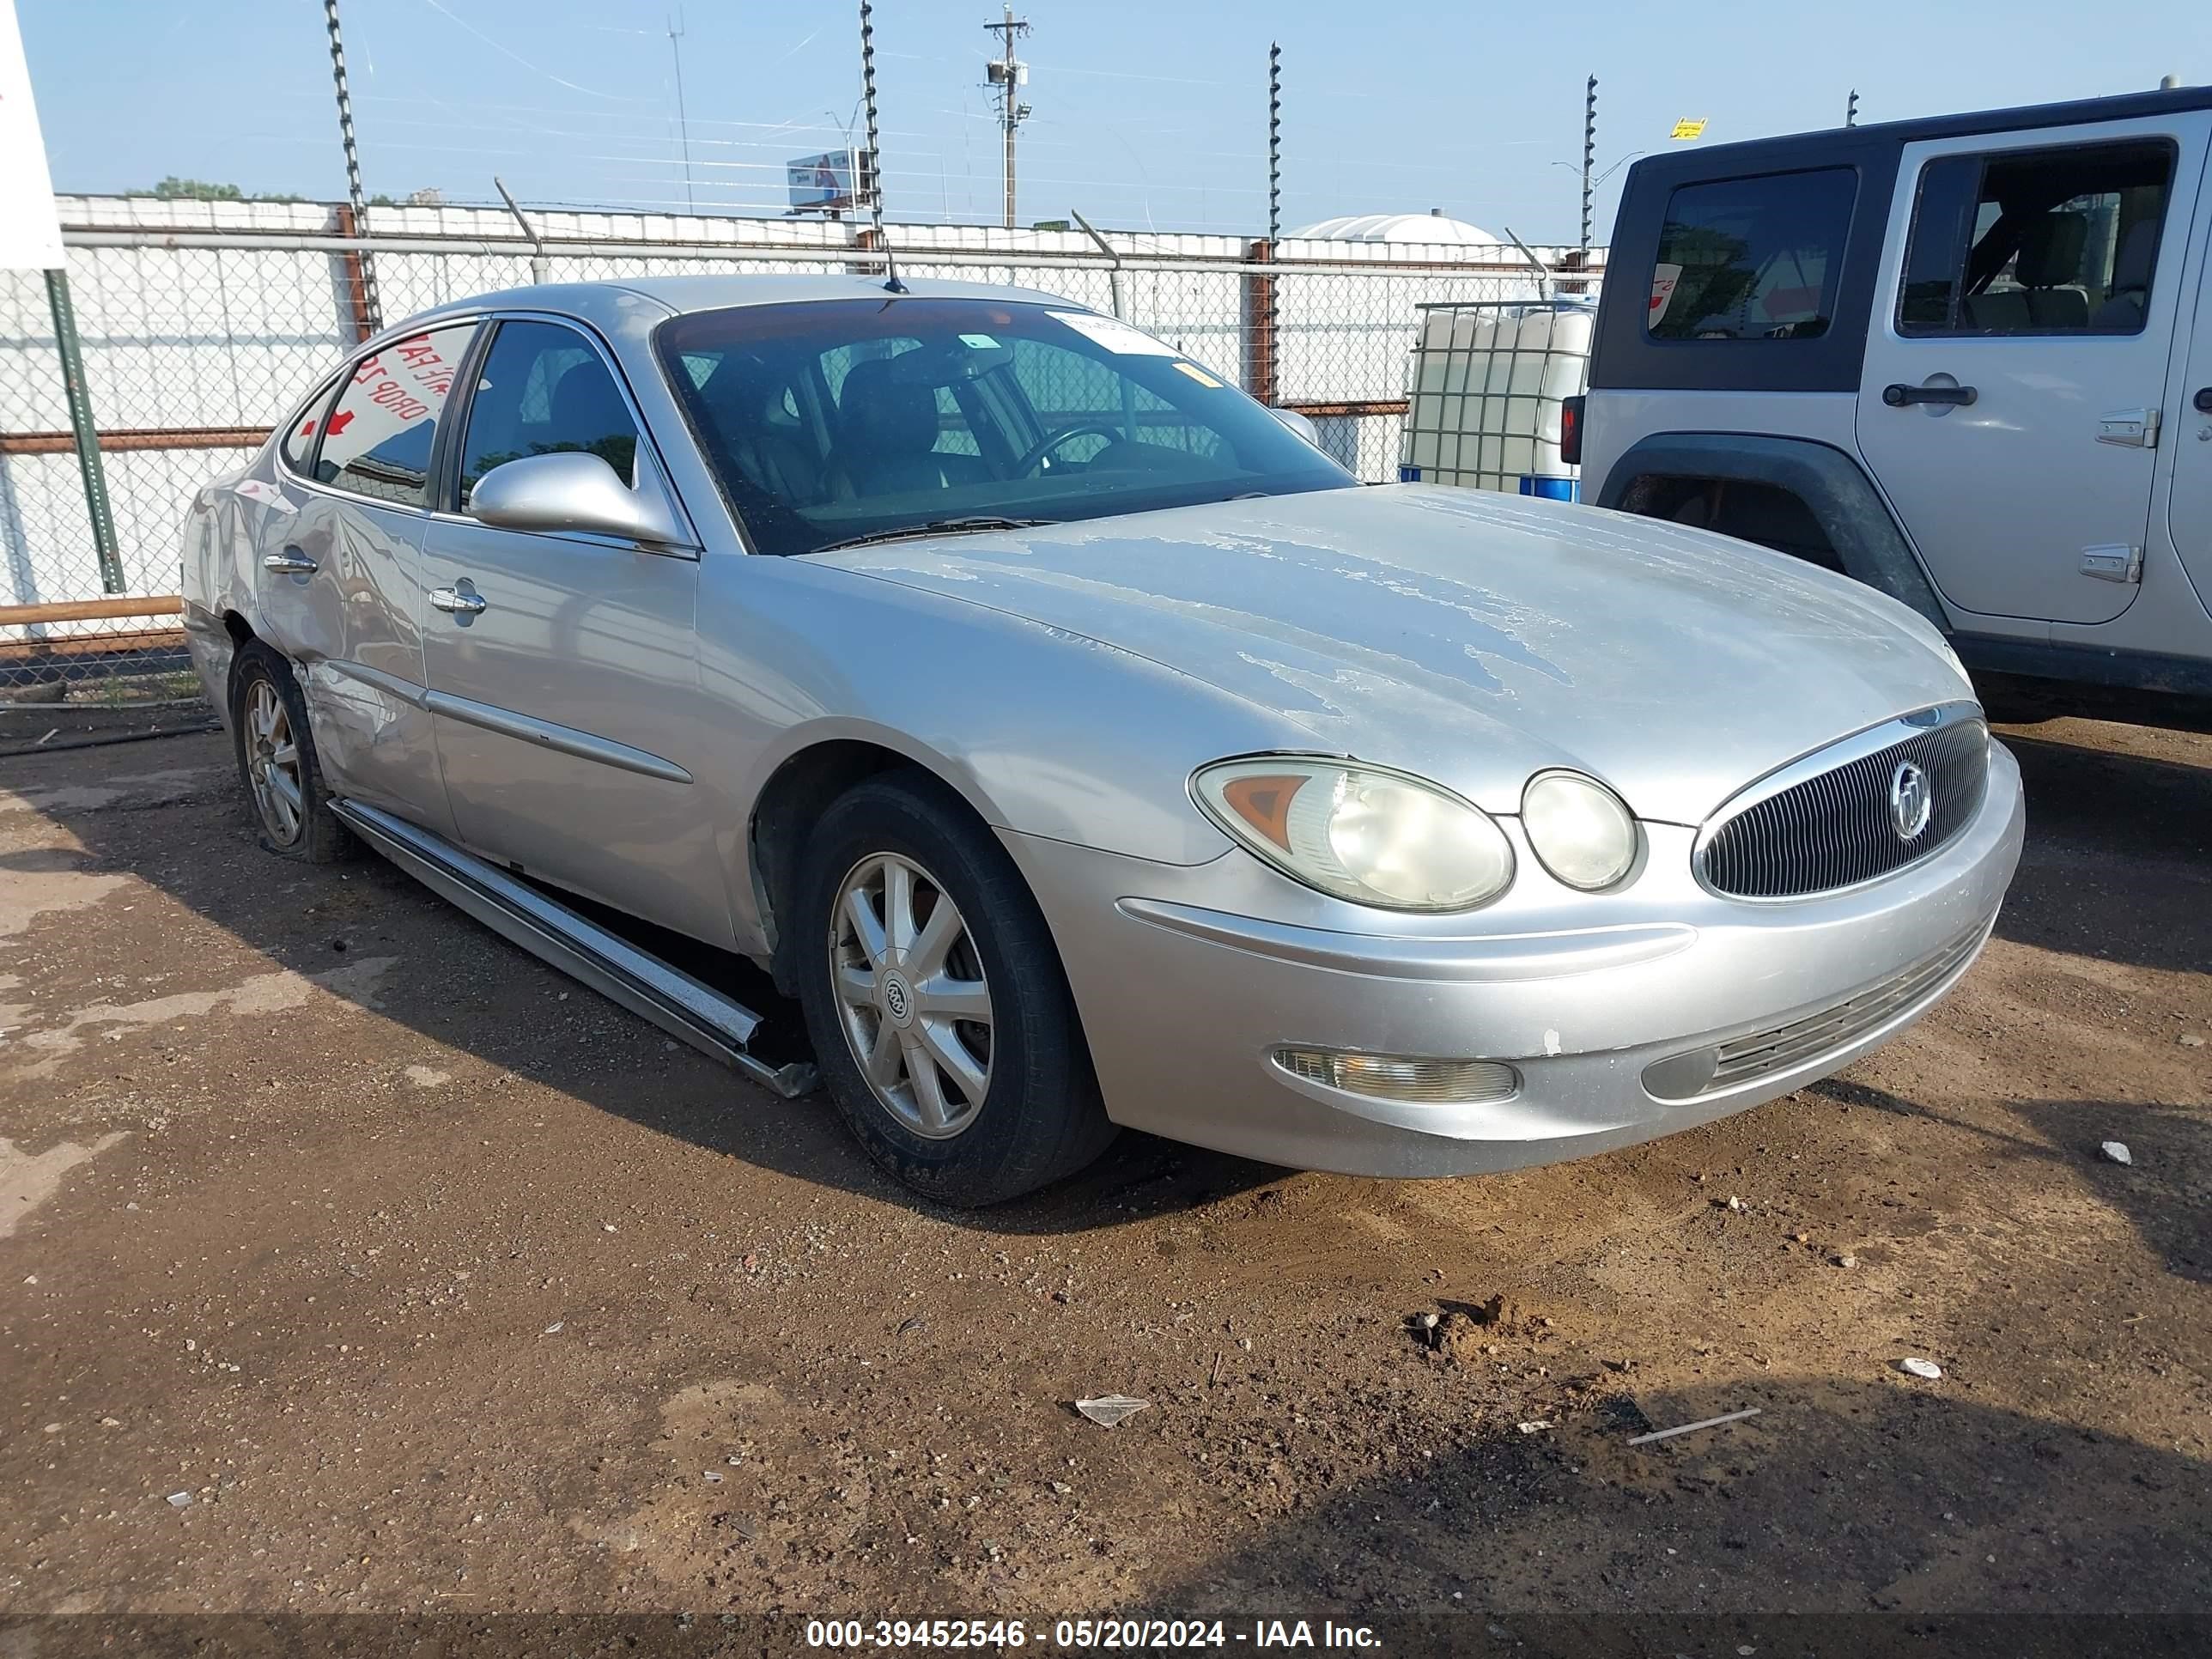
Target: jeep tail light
(1571, 431)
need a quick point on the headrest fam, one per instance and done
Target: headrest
(2138, 253)
(887, 414)
(586, 403)
(2051, 250)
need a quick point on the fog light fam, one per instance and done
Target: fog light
(1388, 1077)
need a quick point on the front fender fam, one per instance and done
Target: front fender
(1044, 732)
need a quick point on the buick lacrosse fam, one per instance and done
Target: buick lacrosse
(1076, 742)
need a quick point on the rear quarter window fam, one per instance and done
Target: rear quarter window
(1757, 258)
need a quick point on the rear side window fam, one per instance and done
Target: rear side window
(2046, 241)
(298, 447)
(377, 441)
(1752, 258)
(541, 390)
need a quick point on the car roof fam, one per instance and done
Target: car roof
(602, 301)
(1829, 144)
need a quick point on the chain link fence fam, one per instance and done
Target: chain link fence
(180, 332)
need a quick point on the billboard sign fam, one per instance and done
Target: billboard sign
(30, 231)
(820, 183)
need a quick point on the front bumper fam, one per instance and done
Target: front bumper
(1189, 979)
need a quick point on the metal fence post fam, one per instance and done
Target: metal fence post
(87, 433)
(1259, 366)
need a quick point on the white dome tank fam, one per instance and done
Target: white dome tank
(1431, 228)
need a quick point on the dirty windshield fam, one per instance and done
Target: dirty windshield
(834, 422)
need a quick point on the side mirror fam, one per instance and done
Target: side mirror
(570, 489)
(1298, 423)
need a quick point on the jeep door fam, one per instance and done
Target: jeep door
(2017, 357)
(2189, 508)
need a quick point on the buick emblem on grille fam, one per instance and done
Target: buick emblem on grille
(1910, 800)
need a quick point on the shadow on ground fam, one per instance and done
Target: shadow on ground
(2107, 833)
(465, 988)
(2118, 863)
(2164, 1192)
(1787, 1533)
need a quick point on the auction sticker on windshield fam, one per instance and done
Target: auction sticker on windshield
(1116, 336)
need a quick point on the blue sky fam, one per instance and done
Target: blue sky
(1147, 113)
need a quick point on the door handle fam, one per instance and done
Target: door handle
(1899, 396)
(461, 600)
(2204, 400)
(290, 562)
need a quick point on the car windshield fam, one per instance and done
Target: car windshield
(830, 422)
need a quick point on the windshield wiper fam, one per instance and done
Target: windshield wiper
(934, 527)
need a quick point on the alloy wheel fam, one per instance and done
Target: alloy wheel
(911, 994)
(272, 764)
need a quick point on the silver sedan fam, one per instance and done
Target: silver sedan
(1076, 742)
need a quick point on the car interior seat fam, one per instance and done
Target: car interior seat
(2048, 266)
(888, 433)
(2123, 310)
(588, 412)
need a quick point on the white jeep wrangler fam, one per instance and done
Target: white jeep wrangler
(1967, 360)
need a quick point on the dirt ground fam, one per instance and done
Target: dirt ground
(351, 1261)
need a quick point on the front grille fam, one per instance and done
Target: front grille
(1784, 1047)
(1835, 827)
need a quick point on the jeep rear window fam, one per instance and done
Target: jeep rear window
(1752, 258)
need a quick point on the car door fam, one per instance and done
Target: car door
(2189, 508)
(2018, 354)
(338, 573)
(562, 676)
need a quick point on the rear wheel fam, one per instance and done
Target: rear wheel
(277, 761)
(940, 1017)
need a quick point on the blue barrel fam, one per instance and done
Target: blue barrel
(1552, 490)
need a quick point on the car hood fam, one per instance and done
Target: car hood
(1470, 637)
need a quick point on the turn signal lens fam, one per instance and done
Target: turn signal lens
(1358, 832)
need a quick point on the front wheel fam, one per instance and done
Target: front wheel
(940, 1017)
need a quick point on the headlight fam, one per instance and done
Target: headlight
(1358, 832)
(1578, 829)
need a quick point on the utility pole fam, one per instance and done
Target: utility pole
(1007, 73)
(1589, 157)
(1851, 109)
(372, 310)
(683, 121)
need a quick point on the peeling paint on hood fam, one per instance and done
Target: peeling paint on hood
(1470, 637)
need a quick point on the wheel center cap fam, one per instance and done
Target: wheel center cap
(898, 1000)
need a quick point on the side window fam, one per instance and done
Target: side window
(543, 389)
(1752, 258)
(2046, 241)
(377, 439)
(298, 447)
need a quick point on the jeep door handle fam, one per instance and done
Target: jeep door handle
(462, 600)
(290, 562)
(2204, 400)
(1899, 396)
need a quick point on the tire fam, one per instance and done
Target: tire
(277, 763)
(1037, 1115)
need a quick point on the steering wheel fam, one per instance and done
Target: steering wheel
(1030, 462)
